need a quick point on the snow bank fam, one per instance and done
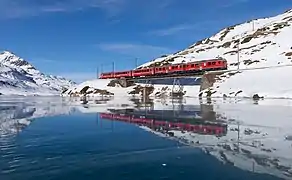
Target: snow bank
(95, 88)
(268, 83)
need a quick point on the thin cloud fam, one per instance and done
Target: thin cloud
(173, 30)
(79, 77)
(184, 28)
(133, 49)
(19, 8)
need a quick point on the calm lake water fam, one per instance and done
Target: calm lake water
(61, 139)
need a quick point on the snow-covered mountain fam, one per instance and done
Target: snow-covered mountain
(261, 43)
(17, 76)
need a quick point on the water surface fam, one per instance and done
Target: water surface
(61, 139)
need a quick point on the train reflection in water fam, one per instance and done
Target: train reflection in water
(194, 120)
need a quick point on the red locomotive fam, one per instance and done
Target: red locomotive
(184, 68)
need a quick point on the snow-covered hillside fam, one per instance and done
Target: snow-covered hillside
(109, 87)
(19, 77)
(259, 43)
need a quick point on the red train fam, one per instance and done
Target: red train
(192, 67)
(200, 129)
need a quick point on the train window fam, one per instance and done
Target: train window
(219, 62)
(184, 66)
(192, 65)
(209, 63)
(197, 65)
(213, 63)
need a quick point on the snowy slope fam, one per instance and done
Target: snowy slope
(17, 76)
(97, 84)
(100, 87)
(261, 43)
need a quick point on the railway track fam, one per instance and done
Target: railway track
(200, 74)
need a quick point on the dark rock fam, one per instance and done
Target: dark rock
(245, 151)
(102, 92)
(257, 97)
(238, 92)
(209, 93)
(226, 44)
(288, 54)
(247, 39)
(266, 150)
(64, 90)
(288, 138)
(122, 82)
(83, 90)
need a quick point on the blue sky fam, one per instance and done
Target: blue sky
(73, 37)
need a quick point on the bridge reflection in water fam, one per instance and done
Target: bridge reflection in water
(200, 119)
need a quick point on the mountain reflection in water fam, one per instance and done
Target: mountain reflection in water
(252, 137)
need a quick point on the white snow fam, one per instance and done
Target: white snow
(263, 43)
(118, 91)
(101, 84)
(271, 83)
(18, 77)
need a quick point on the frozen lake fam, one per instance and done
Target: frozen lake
(61, 138)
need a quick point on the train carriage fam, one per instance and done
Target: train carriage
(176, 68)
(161, 70)
(106, 75)
(211, 65)
(124, 74)
(143, 72)
(192, 67)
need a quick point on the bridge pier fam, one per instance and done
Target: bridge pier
(177, 89)
(209, 79)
